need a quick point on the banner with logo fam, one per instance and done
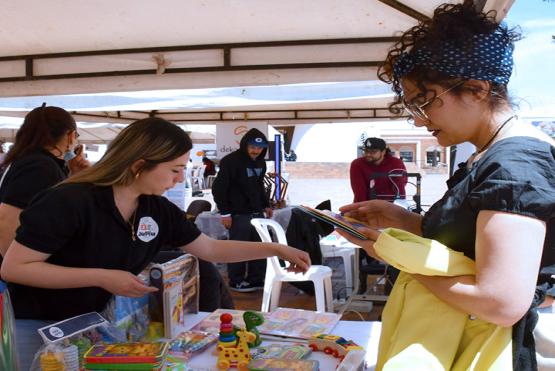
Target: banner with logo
(228, 135)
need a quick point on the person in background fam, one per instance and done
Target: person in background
(44, 153)
(451, 75)
(88, 238)
(378, 174)
(210, 167)
(240, 195)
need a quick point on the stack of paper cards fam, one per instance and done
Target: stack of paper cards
(342, 222)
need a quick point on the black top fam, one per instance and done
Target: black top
(30, 175)
(516, 175)
(80, 226)
(239, 186)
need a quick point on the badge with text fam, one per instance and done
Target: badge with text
(147, 229)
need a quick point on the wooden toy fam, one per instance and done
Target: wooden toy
(52, 361)
(333, 345)
(238, 356)
(227, 336)
(233, 347)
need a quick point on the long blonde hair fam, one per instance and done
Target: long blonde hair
(153, 140)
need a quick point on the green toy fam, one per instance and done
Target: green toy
(253, 319)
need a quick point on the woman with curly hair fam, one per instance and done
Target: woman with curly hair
(451, 74)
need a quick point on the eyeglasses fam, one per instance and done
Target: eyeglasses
(417, 110)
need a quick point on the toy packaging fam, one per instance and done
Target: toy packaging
(281, 351)
(67, 341)
(126, 356)
(274, 364)
(76, 325)
(177, 281)
(189, 342)
(8, 352)
(130, 314)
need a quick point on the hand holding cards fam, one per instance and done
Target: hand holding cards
(342, 222)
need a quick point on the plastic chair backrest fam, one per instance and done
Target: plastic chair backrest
(201, 171)
(263, 227)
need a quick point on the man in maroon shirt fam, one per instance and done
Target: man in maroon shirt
(378, 175)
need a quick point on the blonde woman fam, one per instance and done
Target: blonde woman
(85, 240)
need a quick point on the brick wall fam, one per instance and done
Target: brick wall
(304, 170)
(331, 170)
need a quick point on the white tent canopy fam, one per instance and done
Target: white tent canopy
(206, 60)
(103, 132)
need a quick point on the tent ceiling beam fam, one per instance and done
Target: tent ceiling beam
(251, 56)
(406, 10)
(214, 117)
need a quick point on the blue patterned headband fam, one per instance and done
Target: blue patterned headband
(487, 57)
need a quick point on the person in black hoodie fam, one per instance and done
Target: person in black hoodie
(240, 196)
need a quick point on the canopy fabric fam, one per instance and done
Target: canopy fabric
(220, 60)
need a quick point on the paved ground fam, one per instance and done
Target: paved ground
(312, 191)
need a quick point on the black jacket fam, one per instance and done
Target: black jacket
(239, 185)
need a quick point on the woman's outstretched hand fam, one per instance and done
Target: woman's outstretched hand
(381, 214)
(300, 260)
(124, 283)
(367, 245)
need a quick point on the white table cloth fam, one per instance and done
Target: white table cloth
(365, 334)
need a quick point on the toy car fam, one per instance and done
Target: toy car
(334, 345)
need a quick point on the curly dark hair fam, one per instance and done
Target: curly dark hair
(454, 23)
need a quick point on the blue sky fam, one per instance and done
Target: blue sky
(533, 80)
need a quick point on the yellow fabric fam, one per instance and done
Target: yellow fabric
(420, 331)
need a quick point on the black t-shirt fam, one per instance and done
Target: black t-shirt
(516, 175)
(30, 175)
(80, 226)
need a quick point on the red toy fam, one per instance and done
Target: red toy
(333, 345)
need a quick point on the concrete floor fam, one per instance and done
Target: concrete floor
(312, 191)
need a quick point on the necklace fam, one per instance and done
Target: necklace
(485, 146)
(132, 226)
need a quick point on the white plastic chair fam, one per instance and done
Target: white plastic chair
(197, 177)
(275, 274)
(347, 254)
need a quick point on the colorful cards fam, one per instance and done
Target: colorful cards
(286, 322)
(273, 364)
(344, 223)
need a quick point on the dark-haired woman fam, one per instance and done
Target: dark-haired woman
(88, 238)
(451, 75)
(41, 157)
